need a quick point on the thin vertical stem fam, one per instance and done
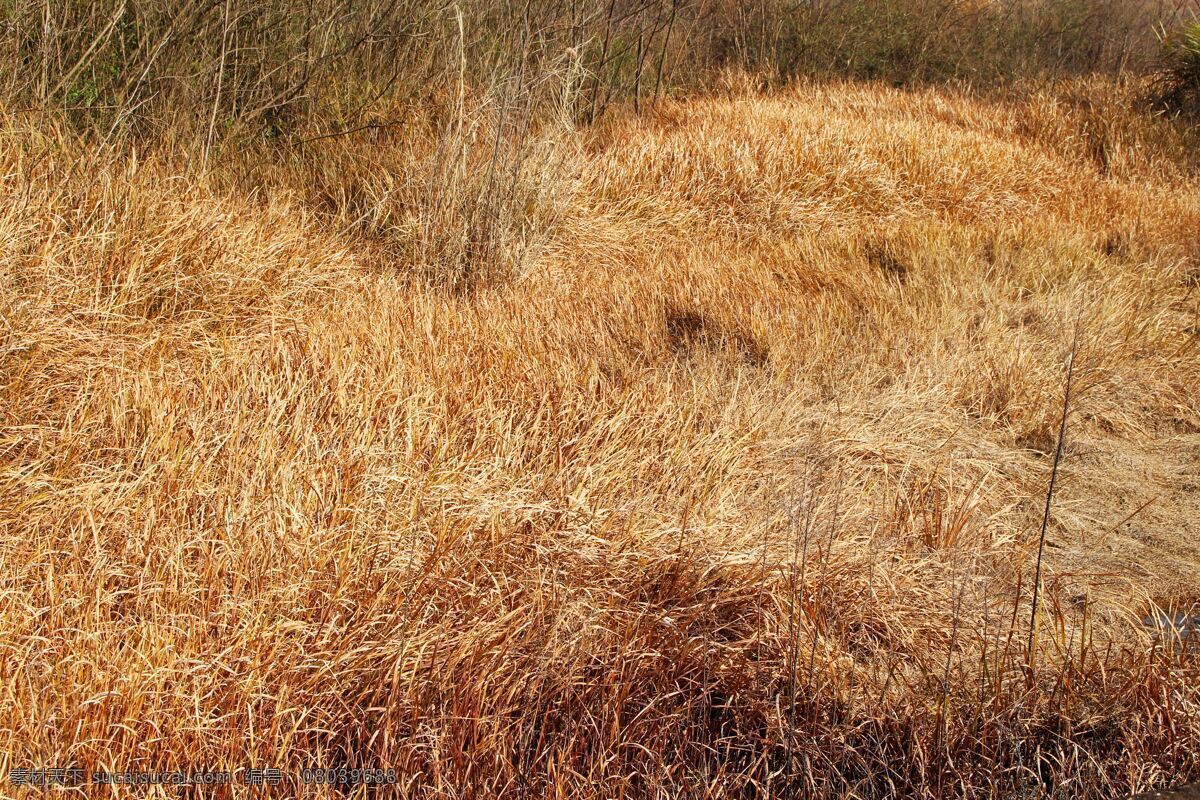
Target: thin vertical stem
(1058, 452)
(212, 120)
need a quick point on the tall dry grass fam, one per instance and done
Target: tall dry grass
(208, 71)
(725, 481)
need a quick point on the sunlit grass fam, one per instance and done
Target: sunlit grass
(728, 481)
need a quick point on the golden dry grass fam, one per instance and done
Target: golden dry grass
(731, 484)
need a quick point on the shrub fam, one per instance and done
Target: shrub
(1177, 84)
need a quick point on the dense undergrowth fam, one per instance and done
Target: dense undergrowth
(206, 71)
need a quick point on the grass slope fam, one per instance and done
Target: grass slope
(732, 484)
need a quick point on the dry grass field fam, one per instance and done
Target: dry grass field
(701, 452)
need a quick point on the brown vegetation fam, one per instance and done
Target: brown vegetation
(695, 452)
